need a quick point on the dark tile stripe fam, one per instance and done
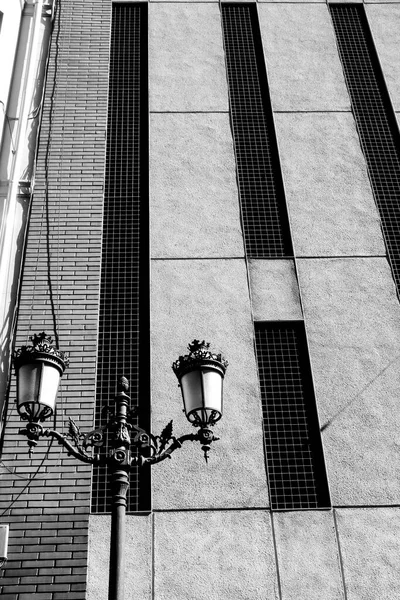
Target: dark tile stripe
(375, 119)
(264, 215)
(124, 305)
(296, 469)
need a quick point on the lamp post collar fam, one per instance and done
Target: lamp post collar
(199, 355)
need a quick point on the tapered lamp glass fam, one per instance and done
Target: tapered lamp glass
(38, 369)
(201, 374)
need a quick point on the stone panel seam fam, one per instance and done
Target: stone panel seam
(179, 2)
(218, 509)
(187, 258)
(153, 560)
(365, 506)
(298, 257)
(339, 554)
(311, 112)
(189, 112)
(313, 2)
(340, 256)
(278, 575)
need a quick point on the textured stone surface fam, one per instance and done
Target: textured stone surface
(353, 322)
(369, 540)
(194, 197)
(292, 1)
(214, 555)
(331, 206)
(207, 299)
(274, 290)
(137, 557)
(308, 556)
(380, 1)
(301, 80)
(186, 58)
(384, 21)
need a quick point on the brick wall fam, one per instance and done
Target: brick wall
(49, 519)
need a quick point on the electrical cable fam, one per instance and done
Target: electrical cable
(31, 478)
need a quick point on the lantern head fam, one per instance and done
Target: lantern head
(200, 374)
(38, 368)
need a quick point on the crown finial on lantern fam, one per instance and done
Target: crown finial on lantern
(197, 345)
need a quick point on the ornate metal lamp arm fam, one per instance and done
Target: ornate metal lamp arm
(164, 445)
(157, 448)
(76, 452)
(174, 445)
(34, 431)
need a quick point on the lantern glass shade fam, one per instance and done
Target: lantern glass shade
(37, 386)
(202, 395)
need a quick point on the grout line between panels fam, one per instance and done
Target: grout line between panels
(340, 554)
(189, 112)
(278, 574)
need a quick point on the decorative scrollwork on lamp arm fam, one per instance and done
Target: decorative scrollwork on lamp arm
(39, 368)
(123, 433)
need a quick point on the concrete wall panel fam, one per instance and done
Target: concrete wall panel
(331, 206)
(369, 540)
(380, 1)
(308, 556)
(274, 290)
(292, 1)
(208, 300)
(301, 80)
(137, 557)
(214, 555)
(186, 58)
(384, 21)
(194, 197)
(353, 321)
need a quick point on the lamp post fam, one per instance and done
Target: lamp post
(39, 368)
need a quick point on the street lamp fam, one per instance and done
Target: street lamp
(39, 368)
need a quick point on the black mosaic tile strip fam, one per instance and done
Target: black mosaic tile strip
(262, 198)
(296, 469)
(124, 294)
(375, 119)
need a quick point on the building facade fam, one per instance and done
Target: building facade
(174, 171)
